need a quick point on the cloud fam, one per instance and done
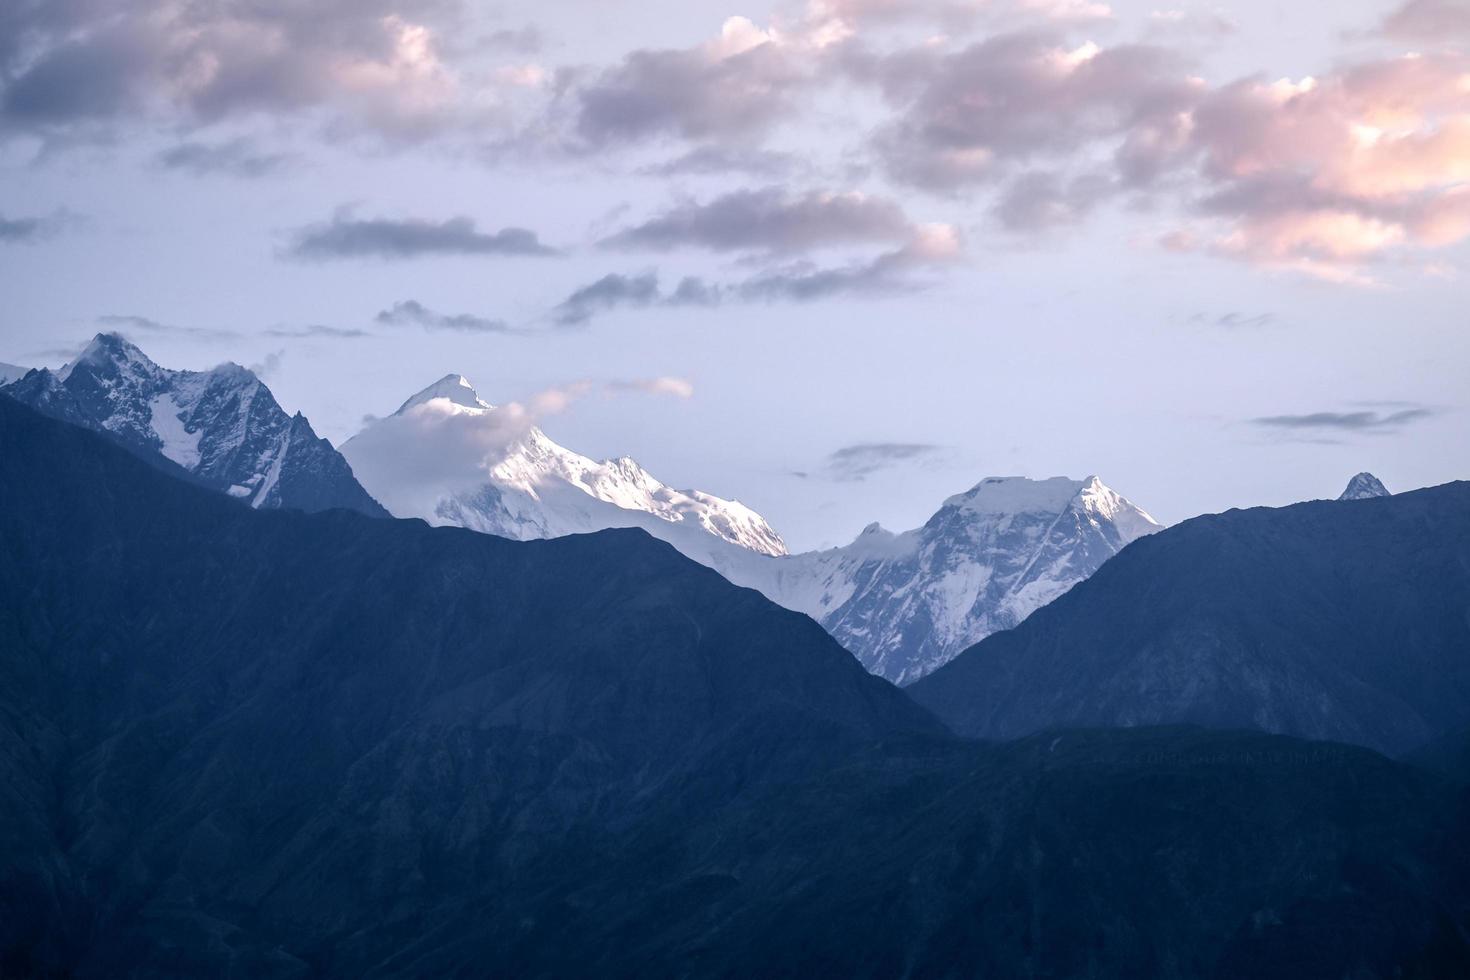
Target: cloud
(20, 229)
(610, 292)
(709, 160)
(1041, 201)
(1326, 175)
(1360, 422)
(971, 117)
(858, 462)
(1441, 21)
(232, 158)
(371, 64)
(770, 220)
(677, 387)
(345, 237)
(268, 365)
(29, 230)
(732, 88)
(318, 330)
(887, 274)
(800, 282)
(412, 313)
(118, 321)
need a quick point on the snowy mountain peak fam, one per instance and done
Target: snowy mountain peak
(222, 425)
(1364, 486)
(1018, 495)
(112, 353)
(906, 603)
(12, 372)
(455, 388)
(491, 470)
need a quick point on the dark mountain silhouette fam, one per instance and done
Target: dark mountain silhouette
(267, 743)
(1344, 621)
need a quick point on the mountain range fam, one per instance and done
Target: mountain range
(902, 603)
(255, 742)
(223, 427)
(1343, 620)
(907, 603)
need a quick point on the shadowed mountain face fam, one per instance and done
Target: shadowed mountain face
(1336, 620)
(276, 744)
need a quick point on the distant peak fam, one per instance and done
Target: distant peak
(454, 387)
(1364, 486)
(108, 348)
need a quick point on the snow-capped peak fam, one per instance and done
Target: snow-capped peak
(455, 388)
(112, 349)
(507, 477)
(1018, 495)
(223, 425)
(1363, 487)
(906, 603)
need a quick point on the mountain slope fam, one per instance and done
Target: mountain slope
(490, 470)
(1321, 620)
(11, 372)
(906, 603)
(223, 426)
(242, 743)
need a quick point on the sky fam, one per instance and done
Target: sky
(837, 259)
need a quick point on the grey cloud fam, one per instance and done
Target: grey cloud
(770, 220)
(412, 313)
(608, 293)
(318, 330)
(347, 237)
(1429, 20)
(121, 321)
(857, 462)
(695, 93)
(21, 229)
(1358, 422)
(31, 229)
(233, 158)
(1040, 201)
(965, 118)
(715, 160)
(65, 63)
(268, 365)
(803, 282)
